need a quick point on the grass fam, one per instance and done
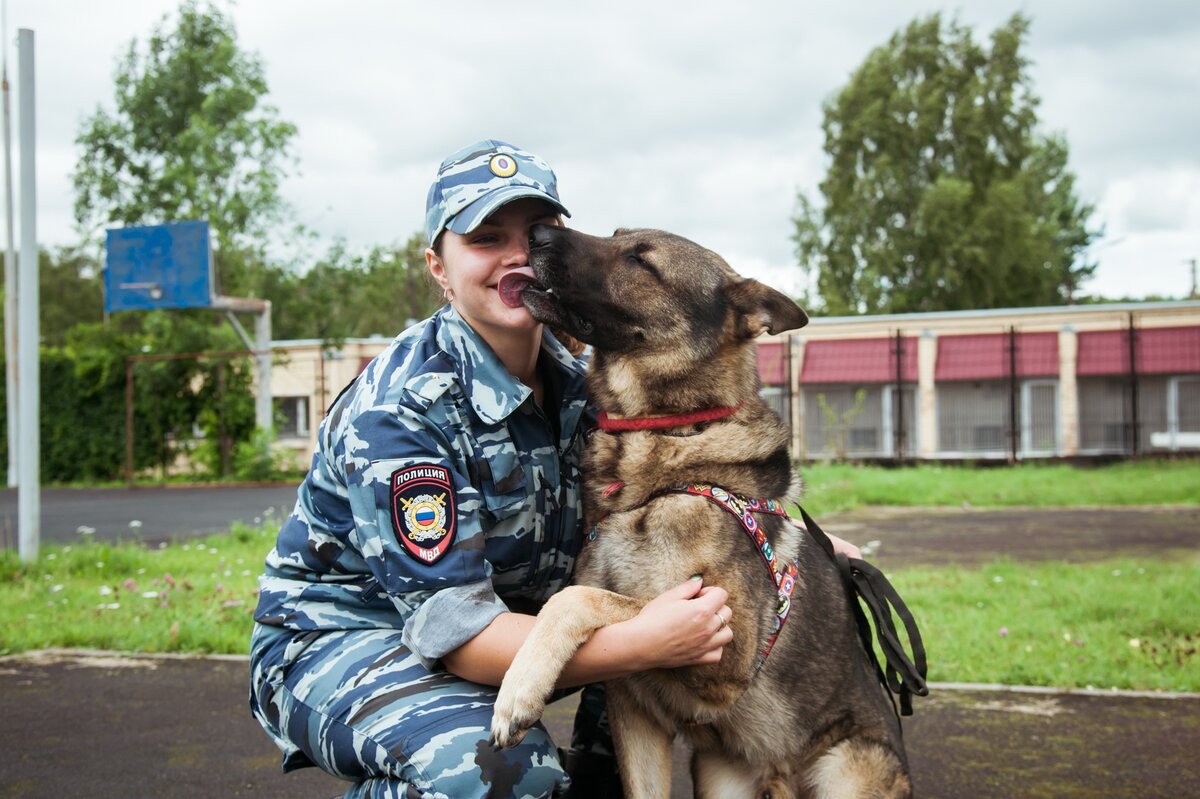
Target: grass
(1123, 623)
(833, 486)
(191, 596)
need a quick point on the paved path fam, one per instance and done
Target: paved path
(119, 727)
(943, 536)
(160, 513)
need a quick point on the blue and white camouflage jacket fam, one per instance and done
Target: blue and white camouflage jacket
(438, 491)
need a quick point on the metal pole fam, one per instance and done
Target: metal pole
(1135, 433)
(263, 406)
(10, 271)
(787, 354)
(29, 466)
(129, 420)
(899, 397)
(1013, 431)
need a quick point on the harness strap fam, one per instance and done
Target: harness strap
(743, 509)
(784, 575)
(902, 676)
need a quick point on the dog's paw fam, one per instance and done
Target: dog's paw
(515, 712)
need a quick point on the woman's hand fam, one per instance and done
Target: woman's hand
(684, 626)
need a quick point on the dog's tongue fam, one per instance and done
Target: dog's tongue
(513, 284)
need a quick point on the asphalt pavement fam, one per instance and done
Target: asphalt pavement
(145, 514)
(112, 726)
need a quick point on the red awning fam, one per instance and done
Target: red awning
(1159, 350)
(863, 360)
(772, 363)
(985, 356)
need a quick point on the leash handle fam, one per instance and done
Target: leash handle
(902, 676)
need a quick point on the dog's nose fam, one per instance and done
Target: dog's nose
(540, 236)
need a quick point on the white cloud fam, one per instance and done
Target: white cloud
(703, 119)
(1151, 201)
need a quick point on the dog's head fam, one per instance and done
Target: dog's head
(648, 292)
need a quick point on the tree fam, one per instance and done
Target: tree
(941, 192)
(190, 138)
(355, 294)
(71, 293)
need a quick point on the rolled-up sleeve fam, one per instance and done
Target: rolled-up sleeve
(449, 618)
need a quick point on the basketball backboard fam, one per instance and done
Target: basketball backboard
(158, 266)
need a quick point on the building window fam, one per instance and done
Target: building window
(1103, 411)
(291, 417)
(1039, 417)
(842, 421)
(1181, 429)
(974, 418)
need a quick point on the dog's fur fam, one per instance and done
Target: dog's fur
(672, 328)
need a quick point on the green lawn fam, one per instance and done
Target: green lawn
(1123, 623)
(832, 487)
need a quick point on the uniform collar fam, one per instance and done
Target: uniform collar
(493, 393)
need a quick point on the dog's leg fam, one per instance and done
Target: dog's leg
(642, 744)
(717, 776)
(857, 769)
(566, 621)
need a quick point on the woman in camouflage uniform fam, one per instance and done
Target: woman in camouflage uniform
(442, 508)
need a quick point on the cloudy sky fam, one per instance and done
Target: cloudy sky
(701, 118)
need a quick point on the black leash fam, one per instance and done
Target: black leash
(902, 676)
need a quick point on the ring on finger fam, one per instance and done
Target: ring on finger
(724, 621)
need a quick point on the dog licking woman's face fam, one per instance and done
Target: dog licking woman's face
(472, 268)
(648, 291)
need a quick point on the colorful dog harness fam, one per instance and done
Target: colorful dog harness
(743, 509)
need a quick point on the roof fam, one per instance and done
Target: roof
(1004, 313)
(772, 363)
(1157, 350)
(863, 360)
(985, 356)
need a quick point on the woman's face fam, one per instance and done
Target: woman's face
(471, 266)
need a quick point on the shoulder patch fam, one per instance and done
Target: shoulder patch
(423, 512)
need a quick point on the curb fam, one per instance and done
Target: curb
(56, 655)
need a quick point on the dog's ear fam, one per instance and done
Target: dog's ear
(759, 307)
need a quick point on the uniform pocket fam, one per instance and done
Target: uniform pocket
(504, 483)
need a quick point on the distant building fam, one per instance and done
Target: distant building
(1020, 383)
(1015, 383)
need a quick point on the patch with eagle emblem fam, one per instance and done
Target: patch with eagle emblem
(423, 511)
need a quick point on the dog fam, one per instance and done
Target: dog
(674, 372)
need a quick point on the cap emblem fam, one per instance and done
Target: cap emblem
(503, 165)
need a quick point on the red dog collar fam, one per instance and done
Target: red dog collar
(610, 424)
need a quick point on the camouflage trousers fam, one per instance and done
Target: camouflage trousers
(360, 706)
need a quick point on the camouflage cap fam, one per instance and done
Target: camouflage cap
(476, 180)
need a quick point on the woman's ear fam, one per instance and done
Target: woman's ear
(437, 269)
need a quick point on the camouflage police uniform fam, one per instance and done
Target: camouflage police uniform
(440, 496)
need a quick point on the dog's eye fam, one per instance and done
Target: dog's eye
(634, 259)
